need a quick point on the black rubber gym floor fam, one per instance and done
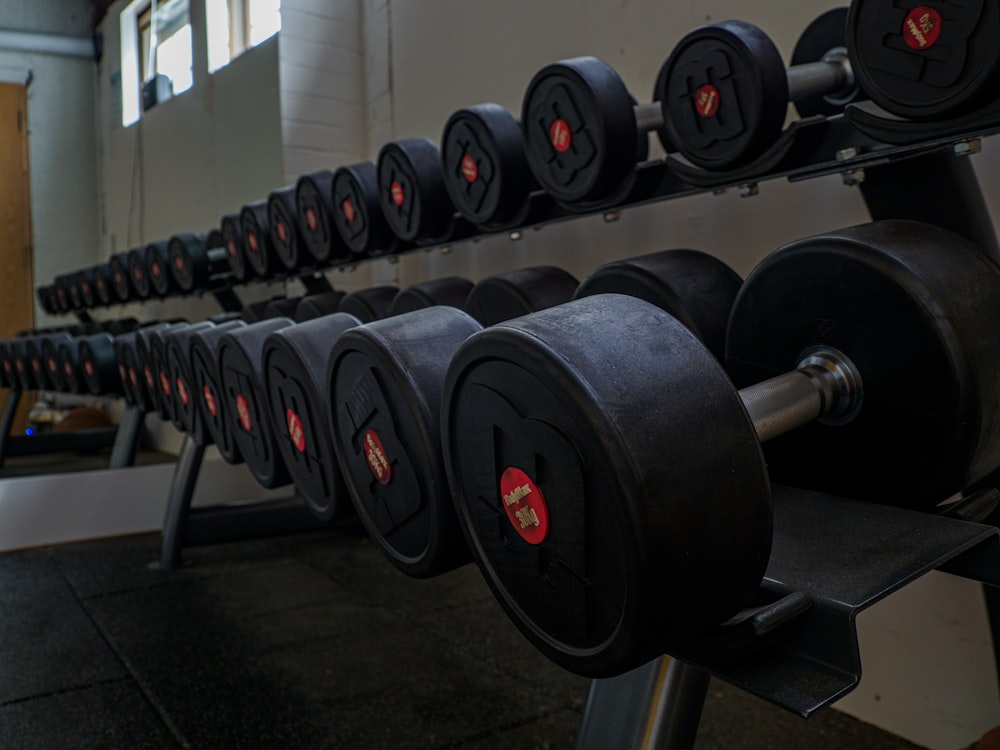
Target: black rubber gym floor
(302, 642)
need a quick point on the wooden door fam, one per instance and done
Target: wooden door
(17, 287)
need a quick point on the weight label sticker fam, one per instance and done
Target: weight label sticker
(348, 208)
(375, 455)
(20, 366)
(311, 219)
(252, 242)
(134, 378)
(398, 196)
(295, 431)
(231, 245)
(122, 374)
(53, 367)
(88, 368)
(525, 505)
(243, 412)
(179, 262)
(707, 100)
(470, 170)
(118, 279)
(36, 365)
(282, 231)
(922, 27)
(182, 391)
(560, 135)
(210, 401)
(67, 368)
(137, 273)
(149, 378)
(86, 287)
(164, 383)
(156, 269)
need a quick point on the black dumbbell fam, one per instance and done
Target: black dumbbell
(88, 294)
(104, 289)
(413, 196)
(315, 205)
(258, 250)
(204, 348)
(632, 469)
(99, 366)
(287, 240)
(197, 263)
(583, 131)
(317, 305)
(357, 213)
(926, 60)
(127, 357)
(232, 234)
(725, 89)
(118, 266)
(295, 371)
(282, 307)
(187, 415)
(161, 281)
(60, 286)
(138, 276)
(369, 304)
(451, 291)
(383, 387)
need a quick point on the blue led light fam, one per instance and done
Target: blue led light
(29, 431)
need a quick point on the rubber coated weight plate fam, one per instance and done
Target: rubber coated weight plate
(317, 305)
(485, 170)
(357, 212)
(185, 414)
(825, 34)
(926, 60)
(232, 234)
(451, 291)
(411, 189)
(104, 288)
(71, 376)
(48, 350)
(579, 129)
(208, 389)
(88, 297)
(604, 526)
(385, 401)
(693, 286)
(73, 287)
(314, 202)
(911, 306)
(125, 354)
(295, 360)
(282, 308)
(725, 94)
(22, 365)
(187, 259)
(118, 265)
(33, 359)
(285, 237)
(241, 371)
(258, 250)
(509, 295)
(137, 274)
(161, 370)
(369, 304)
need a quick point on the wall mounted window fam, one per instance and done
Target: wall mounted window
(234, 26)
(155, 42)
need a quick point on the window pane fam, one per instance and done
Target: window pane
(265, 19)
(217, 23)
(173, 59)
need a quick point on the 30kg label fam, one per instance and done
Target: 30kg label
(525, 505)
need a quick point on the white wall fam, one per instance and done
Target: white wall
(61, 137)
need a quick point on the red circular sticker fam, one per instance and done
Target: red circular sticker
(179, 262)
(137, 273)
(348, 210)
(470, 170)
(282, 231)
(134, 378)
(525, 505)
(118, 279)
(149, 378)
(88, 368)
(122, 374)
(182, 391)
(252, 241)
(53, 367)
(295, 431)
(311, 219)
(922, 27)
(67, 368)
(20, 365)
(36, 365)
(560, 135)
(707, 100)
(398, 196)
(164, 383)
(243, 412)
(156, 269)
(210, 401)
(375, 455)
(86, 287)
(232, 248)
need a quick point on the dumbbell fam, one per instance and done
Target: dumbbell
(383, 387)
(282, 307)
(43, 295)
(357, 214)
(258, 249)
(157, 256)
(315, 306)
(295, 369)
(241, 376)
(926, 60)
(118, 266)
(187, 415)
(289, 245)
(614, 488)
(582, 129)
(314, 205)
(73, 289)
(157, 344)
(104, 289)
(413, 196)
(369, 304)
(232, 233)
(725, 89)
(152, 367)
(204, 361)
(133, 387)
(486, 173)
(196, 263)
(61, 292)
(85, 281)
(137, 274)
(450, 291)
(99, 366)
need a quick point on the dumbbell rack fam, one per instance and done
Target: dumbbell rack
(798, 647)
